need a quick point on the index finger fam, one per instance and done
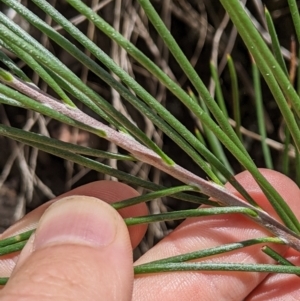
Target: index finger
(211, 231)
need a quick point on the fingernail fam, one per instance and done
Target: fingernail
(77, 220)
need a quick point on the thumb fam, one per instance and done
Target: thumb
(81, 250)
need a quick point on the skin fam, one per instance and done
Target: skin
(82, 250)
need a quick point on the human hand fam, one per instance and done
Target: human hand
(81, 249)
(211, 231)
(72, 269)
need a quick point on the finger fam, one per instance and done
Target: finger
(284, 186)
(107, 191)
(81, 250)
(278, 287)
(206, 232)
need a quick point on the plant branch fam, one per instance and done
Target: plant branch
(144, 154)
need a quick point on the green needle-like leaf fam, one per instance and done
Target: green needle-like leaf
(269, 67)
(273, 75)
(15, 239)
(29, 136)
(182, 214)
(216, 250)
(295, 16)
(3, 280)
(275, 42)
(235, 96)
(151, 196)
(105, 169)
(13, 67)
(12, 248)
(192, 75)
(260, 115)
(49, 61)
(206, 149)
(35, 66)
(196, 266)
(219, 93)
(273, 254)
